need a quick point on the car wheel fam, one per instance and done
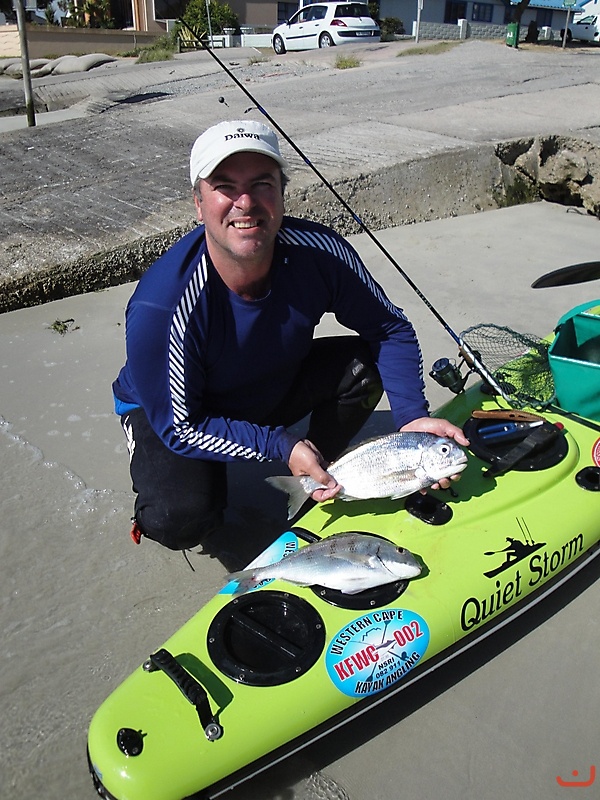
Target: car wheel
(569, 34)
(278, 45)
(325, 40)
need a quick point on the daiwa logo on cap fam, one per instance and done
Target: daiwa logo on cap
(227, 138)
(241, 134)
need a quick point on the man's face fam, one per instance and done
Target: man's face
(241, 206)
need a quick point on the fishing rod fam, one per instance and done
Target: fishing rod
(472, 358)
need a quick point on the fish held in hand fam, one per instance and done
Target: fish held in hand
(390, 466)
(348, 562)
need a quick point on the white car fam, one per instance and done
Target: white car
(586, 29)
(325, 25)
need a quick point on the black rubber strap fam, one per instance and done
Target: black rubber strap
(187, 685)
(539, 437)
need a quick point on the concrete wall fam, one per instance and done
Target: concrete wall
(436, 30)
(466, 30)
(53, 41)
(482, 30)
(475, 30)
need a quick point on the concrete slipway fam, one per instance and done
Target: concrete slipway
(82, 606)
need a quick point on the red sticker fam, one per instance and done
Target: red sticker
(596, 453)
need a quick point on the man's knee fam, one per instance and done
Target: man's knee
(362, 383)
(177, 528)
(179, 501)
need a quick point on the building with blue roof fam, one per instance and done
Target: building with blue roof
(456, 19)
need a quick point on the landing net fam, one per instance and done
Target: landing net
(518, 361)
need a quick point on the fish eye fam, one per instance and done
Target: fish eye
(444, 449)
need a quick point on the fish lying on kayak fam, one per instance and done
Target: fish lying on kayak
(393, 466)
(348, 562)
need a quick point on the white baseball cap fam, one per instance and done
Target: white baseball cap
(223, 140)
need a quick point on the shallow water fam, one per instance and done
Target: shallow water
(74, 589)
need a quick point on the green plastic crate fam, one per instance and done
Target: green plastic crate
(575, 360)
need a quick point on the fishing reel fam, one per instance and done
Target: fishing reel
(448, 374)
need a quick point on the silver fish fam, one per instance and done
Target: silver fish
(394, 465)
(348, 562)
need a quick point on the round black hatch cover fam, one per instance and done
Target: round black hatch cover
(361, 601)
(266, 638)
(589, 478)
(539, 458)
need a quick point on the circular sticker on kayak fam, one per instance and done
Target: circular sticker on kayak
(376, 650)
(596, 453)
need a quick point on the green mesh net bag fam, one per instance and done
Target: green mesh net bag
(518, 361)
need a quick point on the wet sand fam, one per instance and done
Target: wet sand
(82, 606)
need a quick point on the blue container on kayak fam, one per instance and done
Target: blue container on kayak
(575, 360)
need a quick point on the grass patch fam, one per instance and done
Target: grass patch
(161, 49)
(346, 62)
(261, 59)
(432, 49)
(63, 326)
(519, 191)
(160, 54)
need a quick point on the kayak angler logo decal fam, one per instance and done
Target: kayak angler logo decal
(376, 650)
(538, 568)
(516, 550)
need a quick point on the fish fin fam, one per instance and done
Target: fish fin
(293, 486)
(369, 560)
(413, 483)
(246, 579)
(356, 589)
(406, 491)
(361, 585)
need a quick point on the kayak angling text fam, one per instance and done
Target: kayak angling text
(376, 650)
(539, 567)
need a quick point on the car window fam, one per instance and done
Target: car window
(352, 10)
(301, 16)
(319, 12)
(586, 21)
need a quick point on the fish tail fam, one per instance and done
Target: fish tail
(246, 579)
(294, 487)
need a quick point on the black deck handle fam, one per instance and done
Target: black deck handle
(193, 691)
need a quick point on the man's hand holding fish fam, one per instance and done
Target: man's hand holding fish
(441, 427)
(391, 466)
(305, 459)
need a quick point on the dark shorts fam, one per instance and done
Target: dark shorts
(180, 500)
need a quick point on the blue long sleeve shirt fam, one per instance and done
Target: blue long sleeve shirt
(204, 363)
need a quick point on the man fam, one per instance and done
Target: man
(221, 354)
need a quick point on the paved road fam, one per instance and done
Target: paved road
(105, 180)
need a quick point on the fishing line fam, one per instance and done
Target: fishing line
(471, 356)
